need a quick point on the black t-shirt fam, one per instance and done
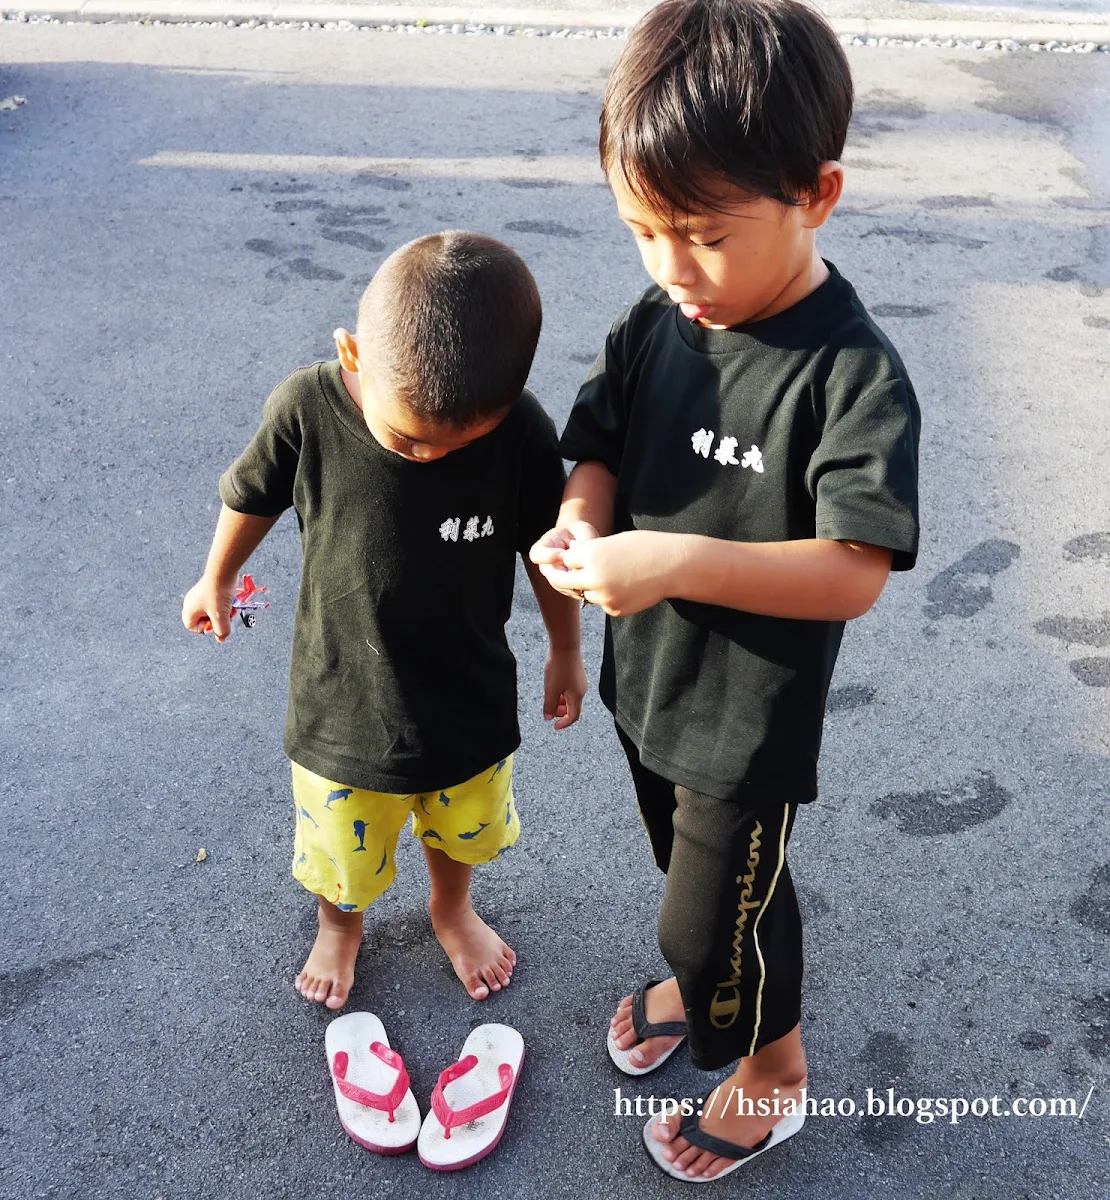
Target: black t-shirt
(401, 678)
(804, 425)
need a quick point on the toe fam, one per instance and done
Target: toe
(337, 998)
(686, 1158)
(477, 989)
(500, 974)
(716, 1167)
(662, 1131)
(700, 1163)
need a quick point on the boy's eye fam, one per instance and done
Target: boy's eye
(710, 245)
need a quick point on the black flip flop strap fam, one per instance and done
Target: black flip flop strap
(646, 1029)
(696, 1136)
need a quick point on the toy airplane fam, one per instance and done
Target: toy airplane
(244, 605)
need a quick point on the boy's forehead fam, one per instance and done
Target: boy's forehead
(636, 202)
(407, 423)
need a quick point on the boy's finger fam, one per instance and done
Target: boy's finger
(542, 553)
(571, 710)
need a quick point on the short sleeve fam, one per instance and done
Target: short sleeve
(595, 430)
(260, 481)
(541, 478)
(863, 474)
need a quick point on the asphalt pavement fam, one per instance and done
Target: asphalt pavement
(185, 215)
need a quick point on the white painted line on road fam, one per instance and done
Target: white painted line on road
(1070, 29)
(571, 169)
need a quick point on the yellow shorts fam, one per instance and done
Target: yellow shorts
(346, 837)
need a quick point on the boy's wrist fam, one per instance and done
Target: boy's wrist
(564, 647)
(220, 576)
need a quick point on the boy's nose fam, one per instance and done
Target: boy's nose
(675, 268)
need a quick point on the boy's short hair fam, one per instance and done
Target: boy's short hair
(757, 91)
(450, 322)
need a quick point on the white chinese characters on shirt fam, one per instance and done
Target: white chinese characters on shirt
(471, 531)
(725, 454)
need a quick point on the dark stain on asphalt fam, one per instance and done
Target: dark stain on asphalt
(587, 359)
(925, 237)
(889, 1058)
(887, 105)
(1088, 545)
(932, 813)
(23, 986)
(529, 183)
(1092, 907)
(1094, 1011)
(1033, 1039)
(265, 246)
(812, 903)
(545, 228)
(1086, 631)
(1062, 274)
(889, 1054)
(902, 310)
(387, 183)
(304, 205)
(1097, 322)
(352, 237)
(359, 214)
(962, 590)
(1094, 672)
(851, 695)
(1086, 203)
(289, 188)
(945, 202)
(305, 268)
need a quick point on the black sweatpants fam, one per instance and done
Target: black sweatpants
(729, 926)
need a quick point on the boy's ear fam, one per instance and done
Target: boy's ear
(348, 350)
(830, 186)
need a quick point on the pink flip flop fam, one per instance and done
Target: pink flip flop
(470, 1102)
(376, 1106)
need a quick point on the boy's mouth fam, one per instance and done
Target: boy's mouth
(694, 312)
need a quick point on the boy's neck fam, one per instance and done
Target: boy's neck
(802, 283)
(350, 382)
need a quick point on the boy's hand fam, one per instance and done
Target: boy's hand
(564, 685)
(625, 572)
(207, 608)
(548, 553)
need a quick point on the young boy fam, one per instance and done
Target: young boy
(418, 467)
(747, 478)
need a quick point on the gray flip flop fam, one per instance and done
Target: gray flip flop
(645, 1029)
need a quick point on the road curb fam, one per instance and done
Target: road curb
(469, 18)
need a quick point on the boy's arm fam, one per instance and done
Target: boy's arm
(564, 677)
(586, 513)
(811, 579)
(207, 604)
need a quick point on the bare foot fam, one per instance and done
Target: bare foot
(481, 959)
(779, 1076)
(329, 972)
(661, 1003)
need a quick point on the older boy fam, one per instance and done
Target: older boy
(746, 480)
(418, 467)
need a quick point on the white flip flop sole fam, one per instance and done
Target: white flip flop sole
(352, 1034)
(786, 1128)
(495, 1053)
